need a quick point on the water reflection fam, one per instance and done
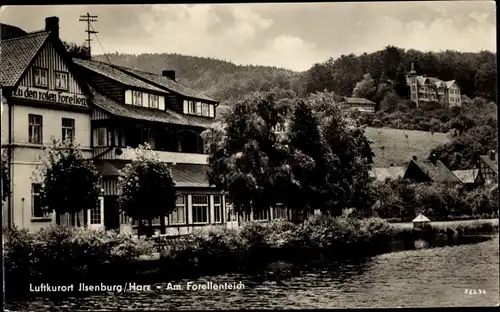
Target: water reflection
(416, 278)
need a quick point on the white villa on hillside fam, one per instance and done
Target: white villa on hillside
(430, 89)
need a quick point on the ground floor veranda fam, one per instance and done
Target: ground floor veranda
(198, 204)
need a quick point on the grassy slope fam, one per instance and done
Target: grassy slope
(397, 149)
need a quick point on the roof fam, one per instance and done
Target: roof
(166, 83)
(115, 74)
(184, 175)
(437, 173)
(382, 173)
(493, 164)
(17, 54)
(465, 98)
(421, 80)
(148, 114)
(354, 100)
(421, 218)
(467, 176)
(449, 83)
(9, 31)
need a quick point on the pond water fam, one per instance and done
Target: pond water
(436, 277)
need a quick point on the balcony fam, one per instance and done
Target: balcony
(123, 153)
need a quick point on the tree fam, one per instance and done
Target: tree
(309, 159)
(70, 183)
(349, 157)
(485, 81)
(366, 88)
(5, 176)
(77, 51)
(147, 189)
(247, 157)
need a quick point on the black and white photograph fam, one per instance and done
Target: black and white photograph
(204, 156)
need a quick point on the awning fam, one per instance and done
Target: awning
(184, 175)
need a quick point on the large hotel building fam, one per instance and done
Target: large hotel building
(108, 110)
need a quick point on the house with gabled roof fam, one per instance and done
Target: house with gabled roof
(42, 98)
(429, 171)
(488, 167)
(470, 177)
(131, 108)
(431, 89)
(360, 104)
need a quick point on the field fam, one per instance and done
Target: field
(392, 147)
(449, 224)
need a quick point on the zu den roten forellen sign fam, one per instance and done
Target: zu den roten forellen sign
(54, 96)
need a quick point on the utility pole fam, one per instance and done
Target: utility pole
(88, 19)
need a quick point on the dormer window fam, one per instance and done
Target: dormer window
(199, 108)
(40, 77)
(153, 101)
(61, 80)
(137, 98)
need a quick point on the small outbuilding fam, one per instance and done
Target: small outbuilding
(420, 221)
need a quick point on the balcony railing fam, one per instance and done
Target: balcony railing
(123, 153)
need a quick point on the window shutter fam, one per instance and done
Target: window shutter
(185, 106)
(128, 97)
(161, 102)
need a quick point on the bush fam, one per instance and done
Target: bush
(58, 254)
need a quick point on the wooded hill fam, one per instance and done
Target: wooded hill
(225, 81)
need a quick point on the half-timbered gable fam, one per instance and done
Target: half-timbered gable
(59, 76)
(488, 167)
(44, 99)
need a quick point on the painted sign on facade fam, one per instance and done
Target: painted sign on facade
(60, 97)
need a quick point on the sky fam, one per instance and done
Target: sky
(288, 35)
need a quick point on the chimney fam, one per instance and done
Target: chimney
(415, 158)
(169, 74)
(52, 25)
(491, 154)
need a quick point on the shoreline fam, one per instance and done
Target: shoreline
(255, 248)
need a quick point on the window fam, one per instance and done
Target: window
(40, 77)
(198, 108)
(231, 216)
(124, 219)
(280, 212)
(200, 209)
(35, 129)
(261, 215)
(179, 215)
(217, 209)
(192, 107)
(68, 129)
(36, 205)
(204, 109)
(211, 111)
(101, 137)
(137, 98)
(153, 101)
(95, 214)
(61, 80)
